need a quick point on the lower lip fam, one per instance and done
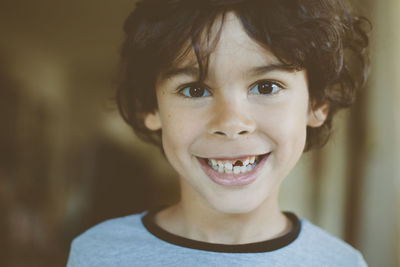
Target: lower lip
(230, 179)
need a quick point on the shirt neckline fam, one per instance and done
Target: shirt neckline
(256, 247)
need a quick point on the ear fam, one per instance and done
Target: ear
(317, 115)
(153, 121)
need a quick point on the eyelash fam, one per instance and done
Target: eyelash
(185, 90)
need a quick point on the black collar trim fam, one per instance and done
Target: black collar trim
(263, 246)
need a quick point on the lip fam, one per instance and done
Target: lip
(230, 179)
(241, 157)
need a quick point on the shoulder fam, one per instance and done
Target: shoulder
(326, 249)
(106, 240)
(112, 229)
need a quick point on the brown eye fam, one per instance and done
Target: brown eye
(265, 88)
(195, 90)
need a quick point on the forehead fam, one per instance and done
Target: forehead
(234, 41)
(225, 45)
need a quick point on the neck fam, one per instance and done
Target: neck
(194, 219)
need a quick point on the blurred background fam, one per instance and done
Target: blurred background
(67, 161)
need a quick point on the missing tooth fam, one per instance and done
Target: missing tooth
(238, 163)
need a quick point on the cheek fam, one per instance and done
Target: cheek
(292, 137)
(286, 125)
(179, 127)
(292, 125)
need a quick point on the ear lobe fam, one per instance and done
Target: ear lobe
(153, 121)
(317, 116)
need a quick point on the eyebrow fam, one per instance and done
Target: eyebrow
(255, 71)
(188, 71)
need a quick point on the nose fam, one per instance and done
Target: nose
(231, 120)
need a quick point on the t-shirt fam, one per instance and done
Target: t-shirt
(136, 240)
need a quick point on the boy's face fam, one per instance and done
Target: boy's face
(249, 109)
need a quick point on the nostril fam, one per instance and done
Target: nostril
(226, 134)
(219, 133)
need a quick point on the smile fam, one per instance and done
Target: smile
(235, 166)
(233, 172)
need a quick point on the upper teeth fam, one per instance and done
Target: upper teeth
(227, 165)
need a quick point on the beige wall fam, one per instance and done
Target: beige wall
(380, 230)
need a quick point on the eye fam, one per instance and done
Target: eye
(266, 88)
(195, 90)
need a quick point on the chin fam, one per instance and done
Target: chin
(236, 205)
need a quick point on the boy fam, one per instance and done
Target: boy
(234, 91)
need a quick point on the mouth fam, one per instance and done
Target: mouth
(235, 166)
(233, 171)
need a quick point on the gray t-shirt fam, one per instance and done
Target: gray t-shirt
(136, 241)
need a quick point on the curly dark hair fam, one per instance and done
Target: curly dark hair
(320, 36)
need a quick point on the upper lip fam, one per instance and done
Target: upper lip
(232, 157)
